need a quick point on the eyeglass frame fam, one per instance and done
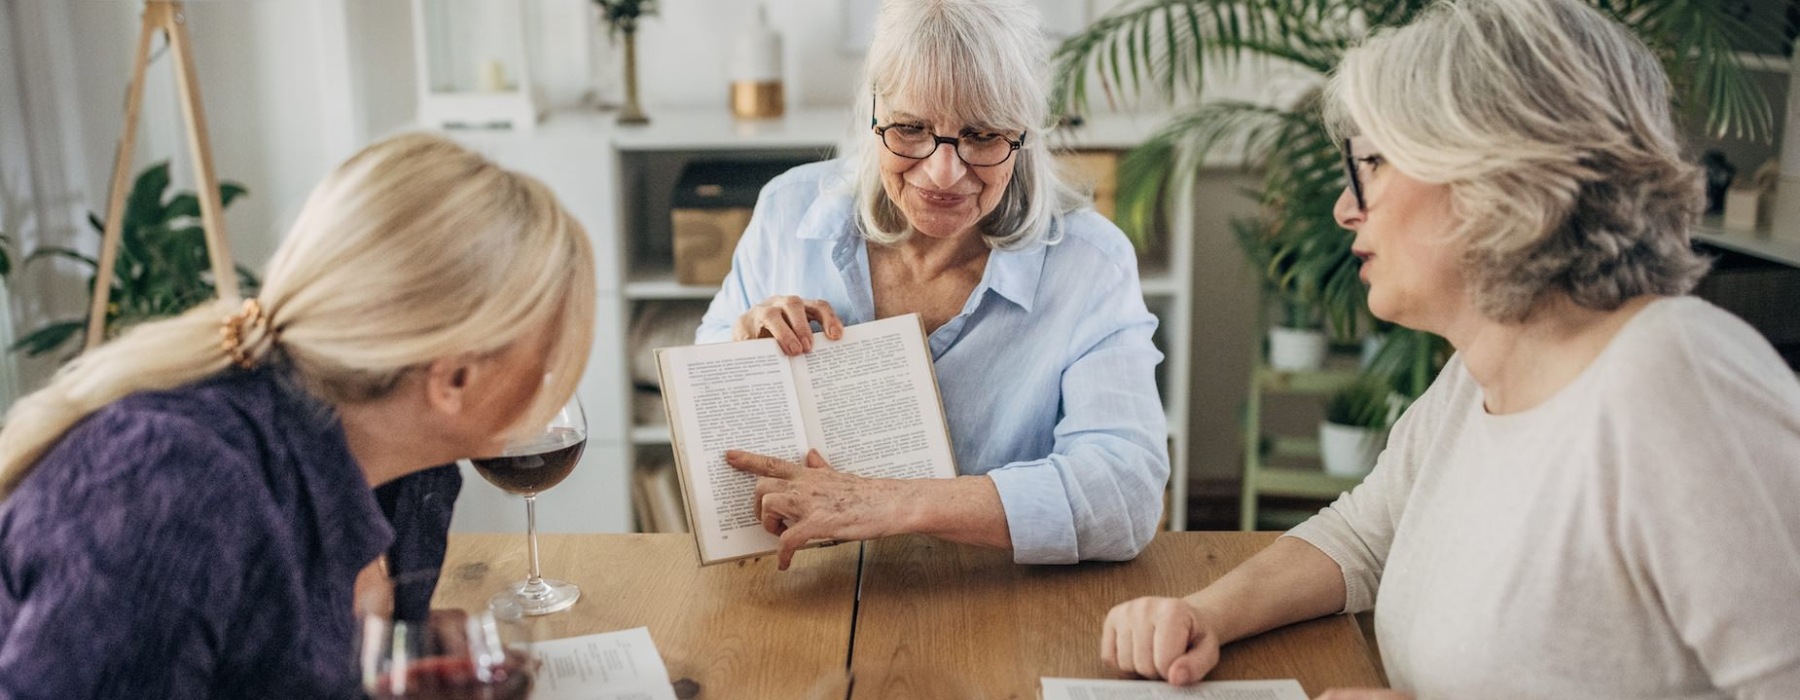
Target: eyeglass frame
(939, 141)
(1356, 185)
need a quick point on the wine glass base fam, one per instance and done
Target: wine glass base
(554, 596)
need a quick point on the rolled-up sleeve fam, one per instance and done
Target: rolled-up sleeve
(1099, 494)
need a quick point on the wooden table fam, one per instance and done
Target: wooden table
(941, 620)
(740, 630)
(935, 620)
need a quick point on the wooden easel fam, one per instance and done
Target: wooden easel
(167, 16)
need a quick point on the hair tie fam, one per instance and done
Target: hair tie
(246, 335)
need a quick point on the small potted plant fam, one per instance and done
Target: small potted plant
(1297, 339)
(1355, 427)
(163, 267)
(621, 17)
(1297, 343)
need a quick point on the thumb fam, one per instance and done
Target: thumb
(1194, 665)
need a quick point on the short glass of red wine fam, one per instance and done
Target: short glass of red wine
(455, 655)
(530, 465)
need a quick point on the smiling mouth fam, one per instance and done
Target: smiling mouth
(941, 198)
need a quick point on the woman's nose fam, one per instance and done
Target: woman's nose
(943, 166)
(1346, 211)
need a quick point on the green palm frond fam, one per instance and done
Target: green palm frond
(1171, 155)
(1694, 38)
(1166, 46)
(1168, 49)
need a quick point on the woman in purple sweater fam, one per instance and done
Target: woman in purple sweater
(187, 508)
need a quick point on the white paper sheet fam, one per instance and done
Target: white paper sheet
(1092, 689)
(621, 665)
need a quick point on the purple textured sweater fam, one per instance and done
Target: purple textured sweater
(204, 542)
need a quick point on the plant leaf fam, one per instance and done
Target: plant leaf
(48, 337)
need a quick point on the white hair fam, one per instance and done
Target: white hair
(413, 250)
(978, 62)
(1551, 124)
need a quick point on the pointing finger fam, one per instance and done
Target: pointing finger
(761, 465)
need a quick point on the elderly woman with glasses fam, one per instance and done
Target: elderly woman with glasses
(951, 208)
(1600, 495)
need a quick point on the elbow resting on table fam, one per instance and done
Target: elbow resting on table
(1140, 476)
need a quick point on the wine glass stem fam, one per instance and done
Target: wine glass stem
(534, 584)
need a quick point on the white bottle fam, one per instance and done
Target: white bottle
(756, 70)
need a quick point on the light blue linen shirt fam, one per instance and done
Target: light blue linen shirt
(1047, 374)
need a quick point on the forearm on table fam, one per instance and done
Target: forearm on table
(965, 509)
(1290, 581)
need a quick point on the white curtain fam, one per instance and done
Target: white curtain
(43, 198)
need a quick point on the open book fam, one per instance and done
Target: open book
(1088, 689)
(867, 402)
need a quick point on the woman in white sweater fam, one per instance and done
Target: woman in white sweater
(1600, 495)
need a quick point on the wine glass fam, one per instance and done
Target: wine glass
(529, 465)
(454, 655)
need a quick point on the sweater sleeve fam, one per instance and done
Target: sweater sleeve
(118, 583)
(1357, 529)
(1708, 431)
(419, 506)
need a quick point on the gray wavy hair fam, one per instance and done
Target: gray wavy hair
(1551, 125)
(981, 63)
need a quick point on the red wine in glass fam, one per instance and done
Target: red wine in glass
(528, 466)
(453, 655)
(455, 678)
(535, 466)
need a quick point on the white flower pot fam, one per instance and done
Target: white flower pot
(1349, 451)
(1371, 346)
(1293, 349)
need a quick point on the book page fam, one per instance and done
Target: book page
(1091, 689)
(729, 396)
(622, 665)
(871, 402)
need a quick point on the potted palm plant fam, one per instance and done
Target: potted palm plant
(1166, 48)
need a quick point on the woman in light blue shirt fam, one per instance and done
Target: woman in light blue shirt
(951, 208)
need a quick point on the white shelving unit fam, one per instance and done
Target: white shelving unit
(609, 177)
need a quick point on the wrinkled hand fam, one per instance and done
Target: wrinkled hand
(816, 502)
(1159, 638)
(788, 319)
(1363, 694)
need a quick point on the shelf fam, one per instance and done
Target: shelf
(1283, 519)
(1303, 483)
(1159, 286)
(714, 129)
(1293, 447)
(664, 286)
(1760, 244)
(649, 435)
(1319, 381)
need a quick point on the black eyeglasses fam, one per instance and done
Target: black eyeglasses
(917, 142)
(1352, 171)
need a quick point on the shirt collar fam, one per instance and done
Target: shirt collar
(1013, 274)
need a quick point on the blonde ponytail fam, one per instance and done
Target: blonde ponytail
(415, 249)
